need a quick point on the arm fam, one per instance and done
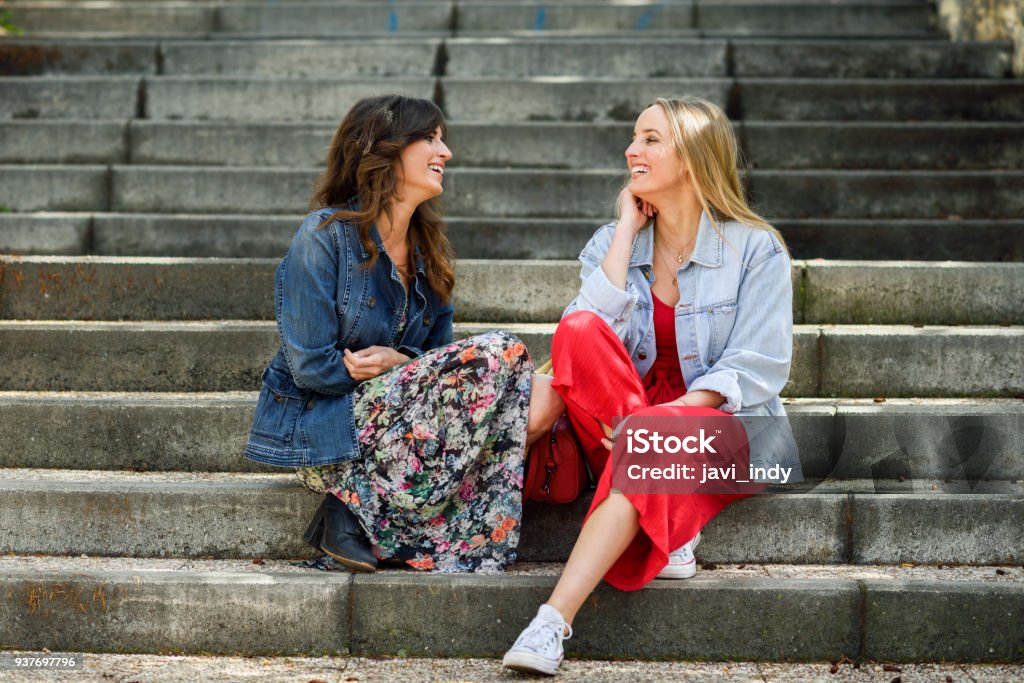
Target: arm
(754, 367)
(307, 312)
(605, 264)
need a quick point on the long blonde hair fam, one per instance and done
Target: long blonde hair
(704, 140)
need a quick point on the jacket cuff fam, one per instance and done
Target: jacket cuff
(722, 383)
(410, 351)
(614, 303)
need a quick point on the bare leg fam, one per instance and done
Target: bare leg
(604, 537)
(545, 407)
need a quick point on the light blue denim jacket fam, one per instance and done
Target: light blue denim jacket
(324, 303)
(734, 319)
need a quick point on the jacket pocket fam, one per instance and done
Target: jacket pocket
(721, 318)
(278, 408)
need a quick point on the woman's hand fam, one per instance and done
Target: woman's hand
(634, 213)
(372, 361)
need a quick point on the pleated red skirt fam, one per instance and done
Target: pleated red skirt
(598, 382)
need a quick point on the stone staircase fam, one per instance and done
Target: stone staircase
(156, 157)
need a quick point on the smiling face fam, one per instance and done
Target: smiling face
(421, 168)
(654, 167)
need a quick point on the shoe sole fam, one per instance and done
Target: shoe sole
(352, 564)
(530, 664)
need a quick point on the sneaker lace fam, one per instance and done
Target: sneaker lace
(541, 636)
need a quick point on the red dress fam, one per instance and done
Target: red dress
(597, 380)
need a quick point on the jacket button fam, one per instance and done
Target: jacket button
(426, 321)
(371, 302)
(310, 404)
(642, 355)
(279, 399)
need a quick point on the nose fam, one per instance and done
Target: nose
(631, 150)
(444, 152)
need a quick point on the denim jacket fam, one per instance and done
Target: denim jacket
(734, 319)
(324, 303)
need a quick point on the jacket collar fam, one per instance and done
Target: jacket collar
(707, 251)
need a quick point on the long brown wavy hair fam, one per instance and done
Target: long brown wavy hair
(361, 181)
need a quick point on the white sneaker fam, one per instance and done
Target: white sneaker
(538, 649)
(681, 563)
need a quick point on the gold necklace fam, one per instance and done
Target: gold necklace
(664, 262)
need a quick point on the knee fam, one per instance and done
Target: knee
(578, 323)
(505, 347)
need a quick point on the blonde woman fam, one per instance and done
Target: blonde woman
(685, 308)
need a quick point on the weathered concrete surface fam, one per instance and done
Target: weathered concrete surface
(567, 98)
(898, 360)
(134, 432)
(909, 292)
(222, 143)
(175, 612)
(937, 528)
(63, 142)
(302, 59)
(141, 18)
(26, 57)
(502, 58)
(881, 100)
(868, 59)
(300, 18)
(579, 18)
(934, 240)
(62, 234)
(947, 146)
(886, 194)
(988, 20)
(209, 235)
(54, 188)
(261, 99)
(126, 288)
(756, 618)
(64, 97)
(956, 441)
(181, 189)
(846, 19)
(976, 622)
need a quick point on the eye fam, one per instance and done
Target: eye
(429, 138)
(650, 141)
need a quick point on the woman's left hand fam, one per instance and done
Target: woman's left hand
(372, 361)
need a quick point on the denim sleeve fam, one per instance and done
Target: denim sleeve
(597, 293)
(307, 312)
(754, 367)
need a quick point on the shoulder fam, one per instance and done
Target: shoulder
(318, 228)
(756, 245)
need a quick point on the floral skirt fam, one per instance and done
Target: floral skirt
(439, 484)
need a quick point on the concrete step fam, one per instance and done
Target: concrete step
(898, 444)
(160, 288)
(267, 236)
(527, 193)
(66, 97)
(293, 18)
(29, 57)
(394, 58)
(767, 144)
(833, 360)
(110, 605)
(54, 188)
(706, 57)
(795, 18)
(385, 670)
(262, 99)
(193, 515)
(881, 100)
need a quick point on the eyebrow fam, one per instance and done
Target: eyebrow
(650, 130)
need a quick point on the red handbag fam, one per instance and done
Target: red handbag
(556, 472)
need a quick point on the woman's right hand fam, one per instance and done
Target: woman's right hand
(634, 213)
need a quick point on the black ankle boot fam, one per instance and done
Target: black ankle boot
(336, 531)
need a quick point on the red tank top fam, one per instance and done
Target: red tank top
(664, 381)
